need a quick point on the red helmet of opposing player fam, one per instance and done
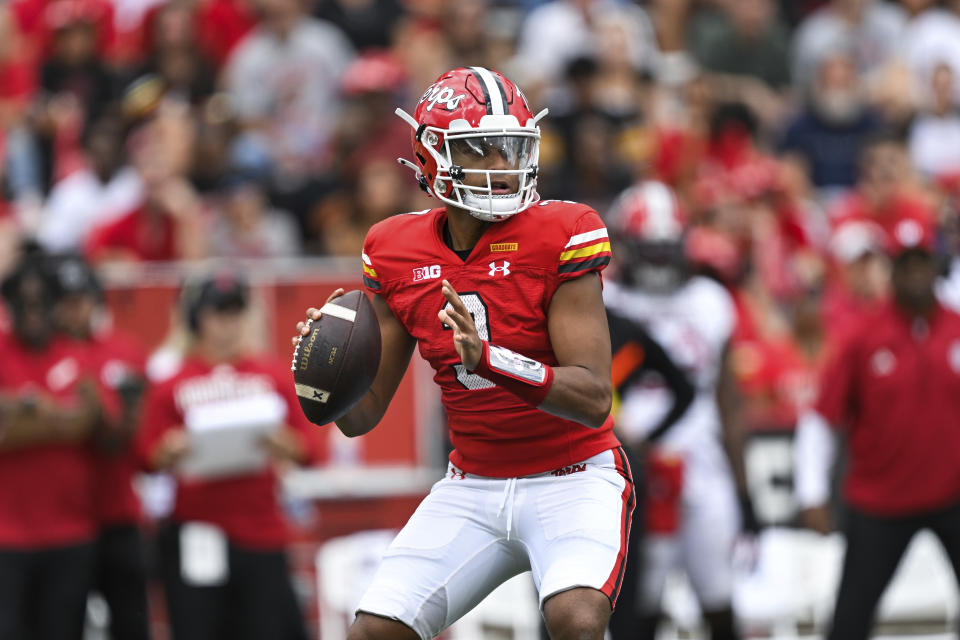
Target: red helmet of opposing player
(647, 225)
(475, 123)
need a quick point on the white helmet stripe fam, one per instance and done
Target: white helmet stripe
(498, 101)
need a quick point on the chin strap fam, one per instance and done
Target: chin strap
(421, 180)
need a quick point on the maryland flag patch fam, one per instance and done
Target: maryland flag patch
(585, 251)
(369, 273)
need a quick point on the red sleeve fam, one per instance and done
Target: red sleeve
(586, 249)
(371, 279)
(159, 416)
(837, 380)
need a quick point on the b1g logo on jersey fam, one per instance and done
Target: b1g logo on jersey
(438, 94)
(426, 273)
(502, 269)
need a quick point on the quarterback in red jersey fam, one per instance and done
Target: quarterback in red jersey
(502, 294)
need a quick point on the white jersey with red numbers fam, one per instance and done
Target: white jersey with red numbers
(693, 325)
(507, 283)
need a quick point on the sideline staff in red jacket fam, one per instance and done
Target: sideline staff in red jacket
(48, 409)
(223, 557)
(893, 385)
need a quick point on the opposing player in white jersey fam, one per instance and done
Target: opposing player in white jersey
(692, 508)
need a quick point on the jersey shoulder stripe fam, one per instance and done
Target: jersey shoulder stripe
(585, 251)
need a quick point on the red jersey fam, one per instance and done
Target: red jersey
(244, 506)
(46, 491)
(138, 235)
(895, 384)
(507, 283)
(116, 357)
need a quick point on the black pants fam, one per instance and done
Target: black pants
(874, 548)
(626, 618)
(43, 594)
(256, 602)
(121, 578)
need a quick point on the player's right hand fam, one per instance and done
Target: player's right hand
(313, 314)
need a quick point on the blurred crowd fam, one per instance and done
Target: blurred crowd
(139, 130)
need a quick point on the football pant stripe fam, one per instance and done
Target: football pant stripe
(585, 252)
(573, 267)
(370, 282)
(483, 87)
(369, 271)
(611, 587)
(580, 238)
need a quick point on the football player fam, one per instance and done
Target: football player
(501, 293)
(692, 498)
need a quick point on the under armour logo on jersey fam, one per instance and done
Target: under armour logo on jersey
(503, 270)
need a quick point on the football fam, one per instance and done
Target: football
(335, 364)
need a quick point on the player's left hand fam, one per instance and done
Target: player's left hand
(465, 338)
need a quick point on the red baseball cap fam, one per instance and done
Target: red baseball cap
(910, 233)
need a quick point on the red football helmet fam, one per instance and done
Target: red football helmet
(647, 225)
(474, 121)
(647, 212)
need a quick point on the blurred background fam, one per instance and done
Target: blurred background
(157, 138)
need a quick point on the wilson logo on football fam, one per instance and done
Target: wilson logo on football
(426, 273)
(444, 96)
(503, 269)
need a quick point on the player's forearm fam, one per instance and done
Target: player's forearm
(580, 395)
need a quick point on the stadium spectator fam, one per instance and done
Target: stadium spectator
(932, 38)
(106, 188)
(169, 222)
(858, 282)
(174, 53)
(368, 24)
(891, 384)
(49, 408)
(934, 141)
(748, 41)
(76, 84)
(223, 561)
(544, 60)
(120, 572)
(871, 29)
(886, 188)
(284, 80)
(827, 133)
(247, 227)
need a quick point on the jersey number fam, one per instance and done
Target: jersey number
(481, 320)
